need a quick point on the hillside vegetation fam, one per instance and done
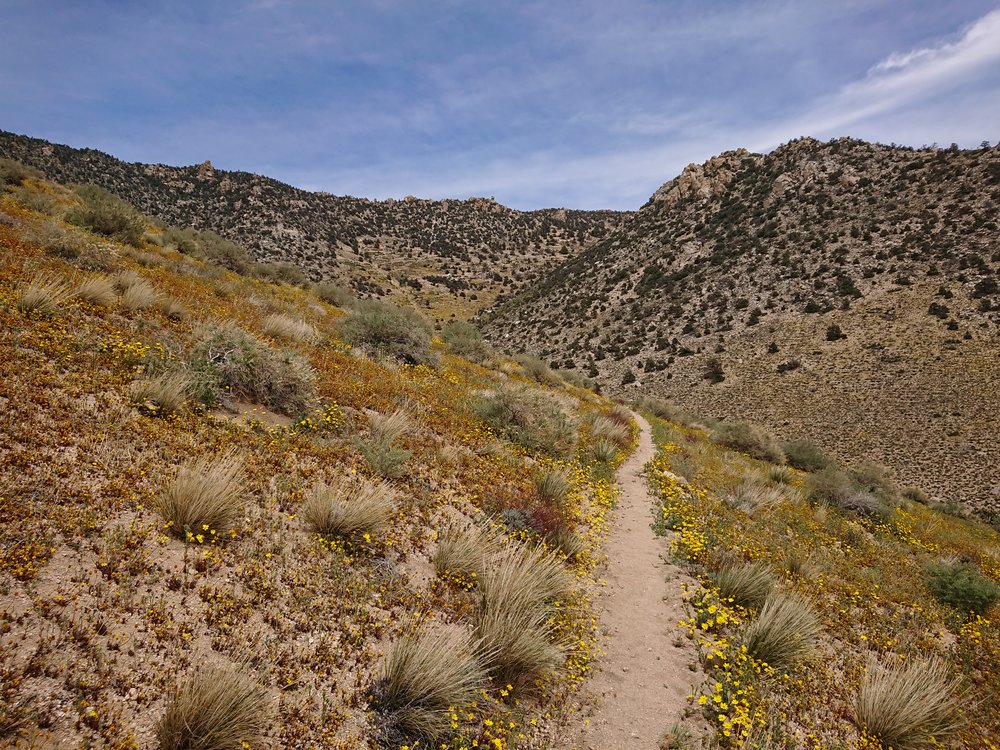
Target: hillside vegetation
(452, 256)
(831, 610)
(844, 291)
(233, 511)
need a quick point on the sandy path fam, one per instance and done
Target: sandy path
(644, 679)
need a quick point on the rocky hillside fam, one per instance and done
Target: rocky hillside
(451, 255)
(843, 291)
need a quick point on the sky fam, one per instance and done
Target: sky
(582, 104)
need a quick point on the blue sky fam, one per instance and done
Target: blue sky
(587, 104)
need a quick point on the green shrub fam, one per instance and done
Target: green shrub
(247, 368)
(334, 294)
(537, 370)
(528, 418)
(216, 709)
(604, 450)
(104, 213)
(385, 459)
(909, 707)
(465, 340)
(14, 172)
(837, 488)
(210, 247)
(421, 681)
(963, 587)
(805, 455)
(874, 478)
(389, 331)
(749, 439)
(785, 631)
(281, 272)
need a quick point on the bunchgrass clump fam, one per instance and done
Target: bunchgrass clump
(385, 459)
(389, 427)
(205, 499)
(348, 507)
(784, 632)
(287, 328)
(215, 709)
(163, 395)
(604, 428)
(908, 707)
(749, 439)
(604, 450)
(139, 295)
(750, 494)
(45, 295)
(553, 485)
(780, 474)
(464, 551)
(97, 290)
(963, 587)
(246, 368)
(422, 680)
(745, 585)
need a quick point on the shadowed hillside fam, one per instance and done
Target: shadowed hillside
(844, 291)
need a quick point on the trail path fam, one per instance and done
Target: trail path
(643, 680)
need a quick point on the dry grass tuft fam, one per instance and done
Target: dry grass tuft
(607, 429)
(785, 630)
(286, 328)
(348, 506)
(908, 707)
(746, 585)
(750, 495)
(139, 295)
(422, 679)
(604, 450)
(389, 427)
(216, 709)
(553, 485)
(97, 290)
(205, 493)
(163, 395)
(464, 551)
(45, 294)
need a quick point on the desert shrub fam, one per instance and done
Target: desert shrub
(389, 331)
(61, 242)
(422, 679)
(281, 272)
(746, 585)
(537, 370)
(963, 587)
(465, 340)
(528, 418)
(14, 172)
(805, 455)
(206, 492)
(45, 294)
(874, 478)
(513, 625)
(663, 409)
(247, 368)
(578, 379)
(785, 631)
(348, 506)
(553, 485)
(163, 395)
(104, 213)
(916, 495)
(908, 707)
(334, 294)
(604, 450)
(603, 428)
(216, 709)
(211, 247)
(835, 487)
(749, 439)
(97, 290)
(287, 328)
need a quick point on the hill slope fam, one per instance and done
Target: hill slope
(451, 255)
(751, 258)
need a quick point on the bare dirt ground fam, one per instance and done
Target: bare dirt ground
(640, 689)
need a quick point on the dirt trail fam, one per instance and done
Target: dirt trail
(642, 682)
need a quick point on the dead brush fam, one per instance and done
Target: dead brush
(215, 709)
(163, 395)
(421, 680)
(97, 290)
(908, 707)
(205, 498)
(46, 294)
(785, 631)
(287, 328)
(745, 585)
(347, 506)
